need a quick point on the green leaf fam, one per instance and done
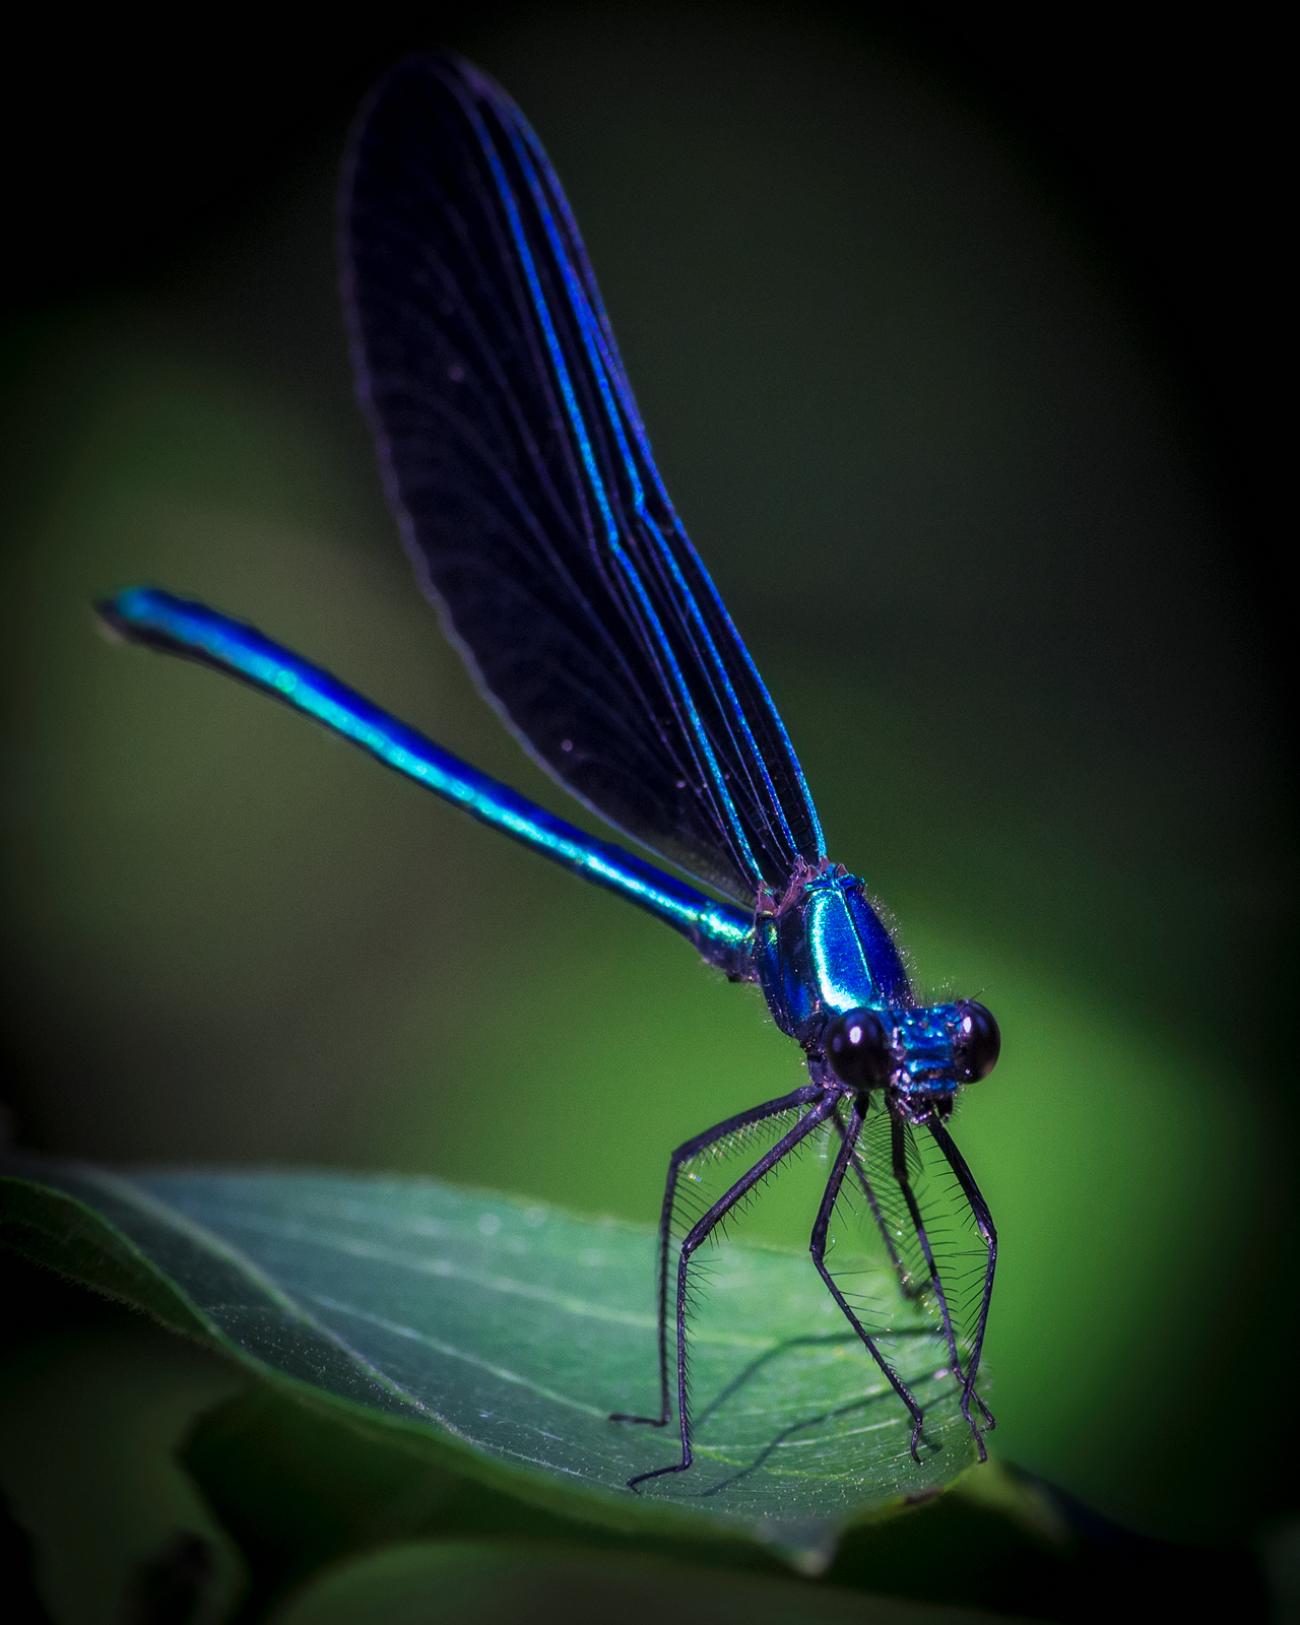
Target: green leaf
(498, 1334)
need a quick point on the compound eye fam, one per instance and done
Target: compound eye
(858, 1048)
(979, 1043)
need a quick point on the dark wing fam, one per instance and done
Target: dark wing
(520, 472)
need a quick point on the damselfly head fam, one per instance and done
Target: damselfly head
(924, 1053)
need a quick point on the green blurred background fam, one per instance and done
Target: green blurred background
(943, 335)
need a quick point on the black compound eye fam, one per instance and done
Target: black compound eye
(979, 1043)
(858, 1048)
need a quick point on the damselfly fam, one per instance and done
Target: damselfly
(520, 473)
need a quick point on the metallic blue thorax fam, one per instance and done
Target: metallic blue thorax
(824, 952)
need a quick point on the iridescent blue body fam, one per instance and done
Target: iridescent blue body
(521, 476)
(822, 951)
(825, 951)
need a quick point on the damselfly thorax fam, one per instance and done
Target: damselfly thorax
(835, 981)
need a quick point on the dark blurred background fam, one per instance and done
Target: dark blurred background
(952, 336)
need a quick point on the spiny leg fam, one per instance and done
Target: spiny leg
(902, 1178)
(699, 1232)
(908, 1287)
(683, 1154)
(818, 1248)
(984, 1223)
